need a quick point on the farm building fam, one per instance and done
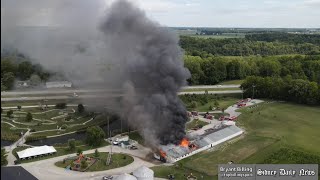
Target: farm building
(172, 153)
(36, 151)
(58, 84)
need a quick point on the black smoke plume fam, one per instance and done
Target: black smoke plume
(154, 73)
(120, 49)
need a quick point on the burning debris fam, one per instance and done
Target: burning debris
(188, 147)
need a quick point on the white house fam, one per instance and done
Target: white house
(58, 84)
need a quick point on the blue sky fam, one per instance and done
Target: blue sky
(234, 13)
(194, 13)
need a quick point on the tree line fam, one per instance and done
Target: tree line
(13, 68)
(243, 47)
(294, 90)
(285, 37)
(212, 70)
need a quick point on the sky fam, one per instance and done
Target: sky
(186, 13)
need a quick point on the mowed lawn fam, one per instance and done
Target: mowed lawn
(269, 128)
(209, 89)
(296, 125)
(224, 103)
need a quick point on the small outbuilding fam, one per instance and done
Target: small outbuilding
(36, 151)
(58, 84)
(143, 173)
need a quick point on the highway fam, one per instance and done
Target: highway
(98, 93)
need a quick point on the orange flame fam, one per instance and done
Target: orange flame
(184, 142)
(162, 153)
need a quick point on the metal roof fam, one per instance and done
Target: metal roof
(35, 151)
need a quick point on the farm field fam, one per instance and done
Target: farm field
(273, 131)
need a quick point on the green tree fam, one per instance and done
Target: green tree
(8, 80)
(95, 136)
(80, 108)
(35, 80)
(9, 113)
(25, 70)
(3, 157)
(193, 104)
(216, 103)
(79, 151)
(19, 107)
(29, 117)
(72, 144)
(96, 153)
(7, 65)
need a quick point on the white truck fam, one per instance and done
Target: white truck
(120, 139)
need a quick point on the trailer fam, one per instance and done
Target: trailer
(195, 113)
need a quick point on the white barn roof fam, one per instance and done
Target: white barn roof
(35, 151)
(144, 172)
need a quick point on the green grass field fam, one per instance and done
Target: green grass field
(223, 103)
(118, 160)
(209, 89)
(275, 133)
(195, 123)
(240, 81)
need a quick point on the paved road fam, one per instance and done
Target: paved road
(71, 91)
(46, 170)
(111, 95)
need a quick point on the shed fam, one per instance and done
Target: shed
(143, 173)
(36, 151)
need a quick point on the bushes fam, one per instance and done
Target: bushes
(64, 126)
(72, 144)
(29, 117)
(9, 136)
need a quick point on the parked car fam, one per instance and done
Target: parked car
(107, 177)
(133, 147)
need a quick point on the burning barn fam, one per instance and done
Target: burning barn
(172, 153)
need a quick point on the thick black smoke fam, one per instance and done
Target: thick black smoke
(153, 71)
(121, 49)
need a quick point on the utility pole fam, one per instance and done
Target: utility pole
(253, 86)
(242, 91)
